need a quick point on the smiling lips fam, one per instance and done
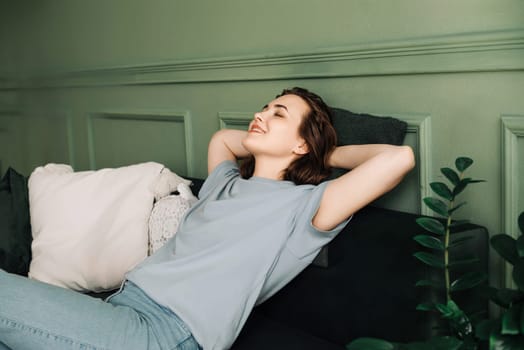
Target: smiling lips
(255, 128)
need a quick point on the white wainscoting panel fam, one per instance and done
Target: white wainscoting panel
(512, 163)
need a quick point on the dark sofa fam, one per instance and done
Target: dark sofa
(360, 285)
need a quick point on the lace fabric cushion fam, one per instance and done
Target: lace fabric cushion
(166, 216)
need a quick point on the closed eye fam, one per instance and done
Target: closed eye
(277, 109)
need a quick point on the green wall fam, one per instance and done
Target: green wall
(107, 83)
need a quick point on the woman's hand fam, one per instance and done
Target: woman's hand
(225, 144)
(376, 169)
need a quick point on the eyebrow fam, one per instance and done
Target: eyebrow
(277, 106)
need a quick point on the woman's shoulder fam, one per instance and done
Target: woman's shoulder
(222, 173)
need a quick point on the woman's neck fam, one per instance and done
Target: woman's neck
(270, 168)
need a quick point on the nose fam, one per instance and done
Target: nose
(258, 116)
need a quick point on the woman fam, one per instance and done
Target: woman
(252, 231)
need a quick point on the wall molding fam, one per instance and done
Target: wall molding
(183, 117)
(467, 52)
(512, 127)
(230, 120)
(71, 140)
(67, 117)
(420, 125)
(3, 135)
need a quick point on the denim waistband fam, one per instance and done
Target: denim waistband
(168, 328)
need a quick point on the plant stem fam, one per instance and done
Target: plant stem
(446, 246)
(446, 255)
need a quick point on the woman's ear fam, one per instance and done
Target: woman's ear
(301, 149)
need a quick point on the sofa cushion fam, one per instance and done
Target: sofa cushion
(15, 227)
(263, 333)
(360, 128)
(90, 227)
(166, 216)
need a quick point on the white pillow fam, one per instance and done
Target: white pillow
(91, 227)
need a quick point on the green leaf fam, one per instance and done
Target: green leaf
(458, 223)
(430, 259)
(506, 246)
(429, 283)
(429, 242)
(453, 306)
(461, 186)
(518, 274)
(484, 328)
(445, 310)
(370, 344)
(460, 241)
(520, 246)
(521, 305)
(463, 262)
(436, 205)
(521, 222)
(432, 225)
(498, 341)
(426, 307)
(459, 321)
(511, 321)
(442, 190)
(505, 297)
(469, 280)
(450, 310)
(458, 206)
(475, 181)
(451, 175)
(462, 163)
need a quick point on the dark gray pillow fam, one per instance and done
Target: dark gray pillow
(15, 225)
(357, 129)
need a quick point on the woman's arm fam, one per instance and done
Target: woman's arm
(225, 144)
(376, 169)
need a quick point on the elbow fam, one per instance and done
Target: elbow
(406, 158)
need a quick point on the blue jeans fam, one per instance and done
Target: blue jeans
(35, 315)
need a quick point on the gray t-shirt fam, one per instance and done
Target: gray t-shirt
(238, 245)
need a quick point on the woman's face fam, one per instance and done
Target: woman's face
(274, 130)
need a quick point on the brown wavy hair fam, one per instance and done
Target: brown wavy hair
(317, 131)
